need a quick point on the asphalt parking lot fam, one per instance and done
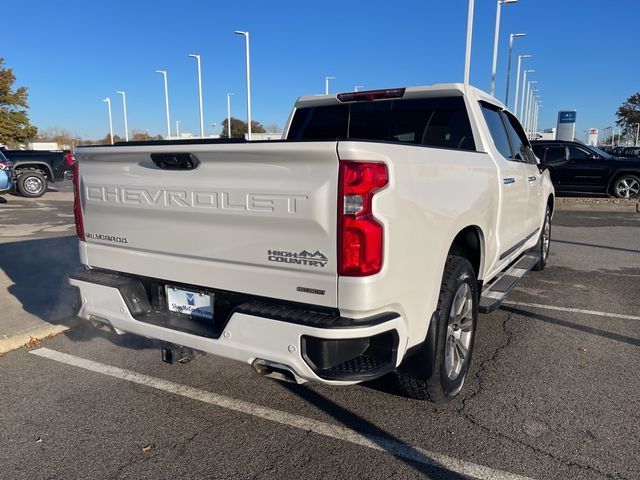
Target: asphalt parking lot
(553, 392)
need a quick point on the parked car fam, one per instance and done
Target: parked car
(6, 182)
(629, 152)
(578, 168)
(365, 243)
(33, 170)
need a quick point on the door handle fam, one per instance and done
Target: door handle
(532, 178)
(508, 180)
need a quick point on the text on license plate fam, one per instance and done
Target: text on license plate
(196, 304)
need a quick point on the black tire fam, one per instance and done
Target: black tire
(414, 378)
(31, 184)
(544, 243)
(626, 186)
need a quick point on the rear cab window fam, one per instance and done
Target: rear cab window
(441, 122)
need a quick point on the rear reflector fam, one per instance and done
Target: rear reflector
(370, 95)
(360, 235)
(77, 207)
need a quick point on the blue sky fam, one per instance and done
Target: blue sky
(71, 54)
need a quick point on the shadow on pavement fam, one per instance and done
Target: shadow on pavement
(373, 434)
(39, 270)
(606, 247)
(575, 326)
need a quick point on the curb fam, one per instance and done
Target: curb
(9, 343)
(582, 204)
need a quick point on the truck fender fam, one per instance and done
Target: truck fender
(33, 165)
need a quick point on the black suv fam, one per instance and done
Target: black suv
(578, 168)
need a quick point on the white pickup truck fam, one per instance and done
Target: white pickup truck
(364, 244)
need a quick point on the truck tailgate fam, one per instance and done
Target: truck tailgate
(251, 218)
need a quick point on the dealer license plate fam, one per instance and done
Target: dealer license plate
(196, 304)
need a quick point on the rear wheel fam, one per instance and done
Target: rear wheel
(544, 243)
(455, 334)
(32, 184)
(627, 186)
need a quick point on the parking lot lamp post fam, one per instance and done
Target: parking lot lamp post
(107, 100)
(229, 114)
(198, 65)
(531, 99)
(246, 44)
(124, 107)
(166, 101)
(178, 128)
(467, 54)
(511, 37)
(524, 85)
(496, 36)
(515, 103)
(637, 132)
(326, 84)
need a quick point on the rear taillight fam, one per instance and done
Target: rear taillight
(69, 159)
(360, 235)
(77, 207)
(5, 166)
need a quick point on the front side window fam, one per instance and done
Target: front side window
(519, 142)
(497, 129)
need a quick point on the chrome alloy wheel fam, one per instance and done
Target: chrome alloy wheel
(546, 238)
(627, 187)
(33, 185)
(459, 332)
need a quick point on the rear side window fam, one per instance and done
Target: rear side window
(497, 129)
(435, 122)
(554, 155)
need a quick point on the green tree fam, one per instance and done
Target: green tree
(106, 140)
(14, 121)
(239, 128)
(629, 115)
(140, 135)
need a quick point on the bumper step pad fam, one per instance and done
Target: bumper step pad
(495, 292)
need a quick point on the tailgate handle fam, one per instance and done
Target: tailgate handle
(175, 161)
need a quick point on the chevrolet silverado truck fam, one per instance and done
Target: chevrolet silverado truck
(364, 244)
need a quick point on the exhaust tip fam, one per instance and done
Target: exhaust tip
(276, 371)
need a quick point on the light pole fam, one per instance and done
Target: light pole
(467, 54)
(246, 44)
(213, 128)
(358, 87)
(124, 106)
(529, 107)
(108, 101)
(515, 103)
(524, 85)
(197, 57)
(229, 114)
(637, 132)
(326, 84)
(166, 101)
(496, 36)
(178, 129)
(511, 37)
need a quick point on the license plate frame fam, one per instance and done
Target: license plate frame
(194, 303)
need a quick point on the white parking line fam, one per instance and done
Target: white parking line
(572, 310)
(393, 447)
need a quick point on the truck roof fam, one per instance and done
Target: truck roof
(435, 90)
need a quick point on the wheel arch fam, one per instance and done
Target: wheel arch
(43, 167)
(469, 243)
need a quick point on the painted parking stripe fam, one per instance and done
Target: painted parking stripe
(572, 310)
(393, 447)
